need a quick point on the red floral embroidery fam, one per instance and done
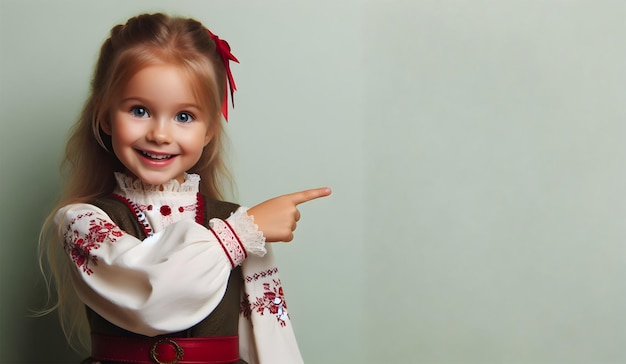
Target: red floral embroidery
(166, 210)
(244, 307)
(80, 244)
(272, 302)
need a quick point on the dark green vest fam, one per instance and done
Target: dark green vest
(223, 321)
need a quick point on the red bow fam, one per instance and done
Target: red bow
(223, 49)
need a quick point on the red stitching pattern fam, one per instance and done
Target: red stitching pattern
(80, 245)
(271, 302)
(141, 217)
(232, 264)
(230, 242)
(259, 275)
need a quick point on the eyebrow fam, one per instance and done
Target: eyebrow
(143, 101)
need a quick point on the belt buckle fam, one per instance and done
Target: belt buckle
(179, 351)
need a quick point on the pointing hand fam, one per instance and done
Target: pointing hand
(277, 217)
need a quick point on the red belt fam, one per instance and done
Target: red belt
(188, 350)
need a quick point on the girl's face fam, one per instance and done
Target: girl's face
(158, 128)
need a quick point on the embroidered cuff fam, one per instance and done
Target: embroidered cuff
(252, 239)
(238, 236)
(229, 240)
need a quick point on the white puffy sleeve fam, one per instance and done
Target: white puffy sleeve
(165, 283)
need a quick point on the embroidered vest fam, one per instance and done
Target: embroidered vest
(223, 321)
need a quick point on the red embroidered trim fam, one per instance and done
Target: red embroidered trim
(141, 217)
(232, 264)
(258, 275)
(79, 246)
(230, 242)
(271, 302)
(243, 249)
(244, 307)
(200, 219)
(165, 210)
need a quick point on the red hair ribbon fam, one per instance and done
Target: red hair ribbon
(223, 49)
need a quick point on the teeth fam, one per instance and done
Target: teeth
(157, 156)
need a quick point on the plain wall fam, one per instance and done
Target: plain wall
(475, 150)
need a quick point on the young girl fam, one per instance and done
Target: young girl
(142, 251)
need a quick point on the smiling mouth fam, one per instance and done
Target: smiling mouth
(157, 157)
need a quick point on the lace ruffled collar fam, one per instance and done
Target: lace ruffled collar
(161, 205)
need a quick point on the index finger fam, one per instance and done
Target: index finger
(308, 195)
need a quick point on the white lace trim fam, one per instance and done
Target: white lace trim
(129, 184)
(248, 232)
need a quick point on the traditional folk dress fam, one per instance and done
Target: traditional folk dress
(164, 262)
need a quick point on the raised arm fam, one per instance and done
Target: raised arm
(278, 216)
(165, 283)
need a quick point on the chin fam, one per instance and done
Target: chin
(155, 177)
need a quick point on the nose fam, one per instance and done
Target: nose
(160, 132)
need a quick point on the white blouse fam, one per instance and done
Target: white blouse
(171, 280)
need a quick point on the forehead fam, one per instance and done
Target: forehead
(161, 83)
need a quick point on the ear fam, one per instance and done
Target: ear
(208, 136)
(105, 125)
(210, 130)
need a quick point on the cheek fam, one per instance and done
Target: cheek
(195, 145)
(123, 134)
(199, 139)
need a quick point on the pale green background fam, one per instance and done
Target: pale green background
(475, 148)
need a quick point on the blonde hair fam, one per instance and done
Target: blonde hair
(89, 163)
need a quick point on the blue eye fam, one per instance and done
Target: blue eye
(139, 112)
(184, 117)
